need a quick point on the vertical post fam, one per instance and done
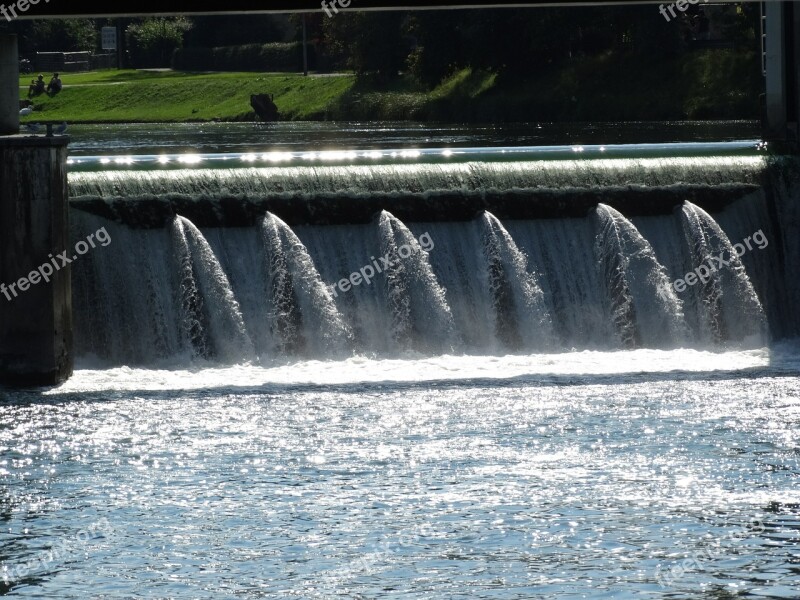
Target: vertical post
(305, 48)
(119, 45)
(781, 60)
(9, 85)
(775, 69)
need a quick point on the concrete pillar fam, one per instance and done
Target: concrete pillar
(9, 85)
(35, 315)
(782, 60)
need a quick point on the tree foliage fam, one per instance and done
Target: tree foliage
(214, 32)
(371, 44)
(151, 42)
(68, 35)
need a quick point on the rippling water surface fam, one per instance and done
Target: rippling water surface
(580, 475)
(144, 138)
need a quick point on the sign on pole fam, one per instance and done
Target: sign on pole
(109, 38)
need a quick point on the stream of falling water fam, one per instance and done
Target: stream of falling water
(247, 294)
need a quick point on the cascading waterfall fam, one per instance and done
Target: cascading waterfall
(420, 316)
(194, 325)
(284, 319)
(643, 305)
(520, 314)
(303, 314)
(211, 320)
(726, 304)
(264, 289)
(609, 253)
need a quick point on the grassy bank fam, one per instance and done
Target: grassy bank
(168, 96)
(712, 84)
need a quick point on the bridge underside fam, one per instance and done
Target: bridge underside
(91, 8)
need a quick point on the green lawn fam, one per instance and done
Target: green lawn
(168, 96)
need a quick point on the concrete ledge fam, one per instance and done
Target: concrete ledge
(30, 140)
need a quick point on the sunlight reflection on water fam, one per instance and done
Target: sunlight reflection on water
(527, 480)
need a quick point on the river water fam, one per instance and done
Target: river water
(585, 475)
(577, 474)
(297, 136)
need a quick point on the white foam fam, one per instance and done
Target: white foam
(360, 369)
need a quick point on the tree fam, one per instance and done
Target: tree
(437, 37)
(151, 42)
(371, 42)
(235, 30)
(68, 35)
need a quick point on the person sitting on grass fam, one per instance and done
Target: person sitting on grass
(36, 87)
(54, 86)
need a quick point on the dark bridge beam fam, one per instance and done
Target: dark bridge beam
(92, 8)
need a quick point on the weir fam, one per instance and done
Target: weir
(353, 194)
(602, 278)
